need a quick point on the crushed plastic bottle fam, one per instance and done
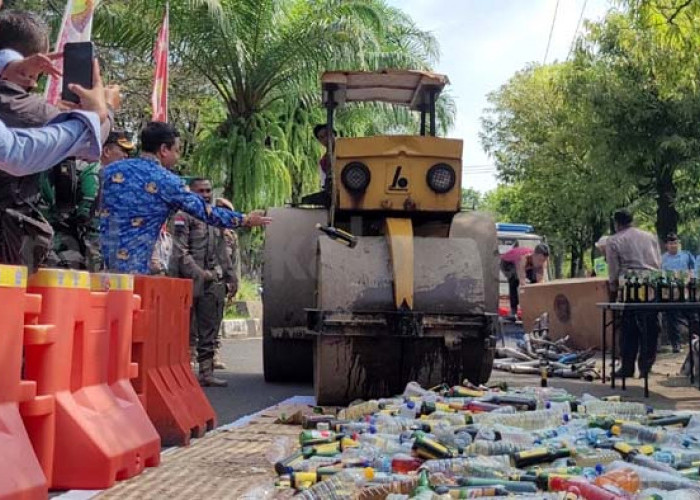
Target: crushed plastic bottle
(531, 420)
(465, 442)
(654, 479)
(625, 410)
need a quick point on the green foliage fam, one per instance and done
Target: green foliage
(248, 291)
(471, 199)
(260, 61)
(615, 126)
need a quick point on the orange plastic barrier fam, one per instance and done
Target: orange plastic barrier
(21, 475)
(102, 432)
(171, 394)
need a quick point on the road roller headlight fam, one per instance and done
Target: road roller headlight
(441, 178)
(356, 177)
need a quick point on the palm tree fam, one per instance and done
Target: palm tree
(262, 59)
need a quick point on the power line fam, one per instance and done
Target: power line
(551, 31)
(484, 165)
(578, 26)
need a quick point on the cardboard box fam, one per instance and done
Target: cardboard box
(571, 305)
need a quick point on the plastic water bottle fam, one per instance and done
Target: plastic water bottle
(354, 412)
(462, 439)
(625, 410)
(678, 458)
(591, 436)
(480, 447)
(530, 420)
(477, 466)
(388, 425)
(638, 432)
(342, 485)
(515, 436)
(650, 463)
(382, 464)
(413, 389)
(453, 418)
(408, 410)
(596, 457)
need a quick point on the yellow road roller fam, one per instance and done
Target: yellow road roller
(379, 279)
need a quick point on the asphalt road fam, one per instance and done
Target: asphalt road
(247, 391)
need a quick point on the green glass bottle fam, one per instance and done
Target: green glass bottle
(635, 287)
(423, 484)
(681, 283)
(627, 288)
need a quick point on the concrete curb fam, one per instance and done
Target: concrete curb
(241, 328)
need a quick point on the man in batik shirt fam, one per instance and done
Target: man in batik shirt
(139, 195)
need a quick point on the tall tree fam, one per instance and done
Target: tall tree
(641, 70)
(539, 138)
(261, 60)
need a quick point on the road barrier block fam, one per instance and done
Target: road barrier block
(173, 398)
(21, 475)
(102, 432)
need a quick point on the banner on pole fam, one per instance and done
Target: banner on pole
(159, 99)
(75, 27)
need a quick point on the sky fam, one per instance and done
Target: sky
(482, 43)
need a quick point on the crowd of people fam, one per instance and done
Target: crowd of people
(74, 193)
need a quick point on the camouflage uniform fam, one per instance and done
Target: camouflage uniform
(25, 236)
(201, 252)
(76, 242)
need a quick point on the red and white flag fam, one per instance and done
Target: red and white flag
(159, 99)
(75, 27)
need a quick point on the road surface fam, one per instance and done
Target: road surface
(247, 391)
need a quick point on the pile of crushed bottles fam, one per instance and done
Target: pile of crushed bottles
(479, 442)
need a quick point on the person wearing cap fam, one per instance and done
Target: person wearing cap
(677, 261)
(118, 147)
(631, 249)
(523, 265)
(600, 266)
(324, 164)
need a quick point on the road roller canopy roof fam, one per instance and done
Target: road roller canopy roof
(403, 87)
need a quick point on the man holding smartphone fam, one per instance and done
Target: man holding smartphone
(26, 236)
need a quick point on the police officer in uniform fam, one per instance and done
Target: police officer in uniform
(201, 253)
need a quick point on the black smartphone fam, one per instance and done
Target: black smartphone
(77, 68)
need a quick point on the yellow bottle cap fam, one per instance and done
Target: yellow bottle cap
(647, 449)
(369, 473)
(615, 429)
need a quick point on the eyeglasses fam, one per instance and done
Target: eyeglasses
(202, 190)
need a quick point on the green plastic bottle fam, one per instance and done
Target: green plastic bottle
(423, 485)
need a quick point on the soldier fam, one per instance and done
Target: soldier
(69, 200)
(201, 253)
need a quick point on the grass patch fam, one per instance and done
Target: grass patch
(248, 291)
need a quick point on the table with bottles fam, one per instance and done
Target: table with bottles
(656, 292)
